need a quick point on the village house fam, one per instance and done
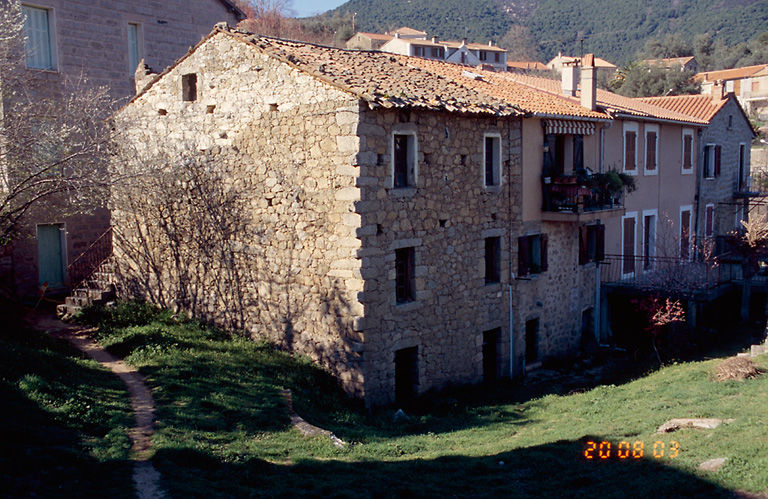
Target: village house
(681, 63)
(749, 84)
(103, 42)
(389, 236)
(605, 69)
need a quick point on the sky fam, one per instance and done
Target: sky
(304, 8)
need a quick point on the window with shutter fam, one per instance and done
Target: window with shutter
(685, 233)
(650, 151)
(630, 141)
(532, 254)
(492, 260)
(628, 263)
(404, 160)
(687, 151)
(718, 152)
(709, 221)
(591, 243)
(404, 275)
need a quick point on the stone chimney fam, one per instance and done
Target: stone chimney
(143, 76)
(568, 78)
(434, 39)
(718, 90)
(463, 42)
(588, 82)
(490, 43)
(397, 35)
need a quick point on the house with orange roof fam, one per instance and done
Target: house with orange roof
(723, 190)
(367, 41)
(526, 66)
(603, 67)
(748, 83)
(682, 63)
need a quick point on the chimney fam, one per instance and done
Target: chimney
(463, 42)
(397, 35)
(718, 90)
(568, 78)
(143, 76)
(588, 82)
(490, 43)
(434, 39)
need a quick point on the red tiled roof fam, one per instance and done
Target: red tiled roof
(611, 103)
(669, 61)
(405, 30)
(472, 46)
(702, 107)
(730, 74)
(599, 62)
(532, 65)
(375, 36)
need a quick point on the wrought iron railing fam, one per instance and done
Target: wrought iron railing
(90, 260)
(568, 194)
(676, 275)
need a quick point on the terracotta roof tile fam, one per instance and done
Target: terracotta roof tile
(702, 107)
(730, 74)
(532, 65)
(669, 61)
(405, 30)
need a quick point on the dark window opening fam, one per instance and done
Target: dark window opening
(531, 341)
(404, 275)
(403, 160)
(628, 264)
(406, 374)
(578, 153)
(492, 260)
(532, 254)
(685, 234)
(591, 243)
(709, 221)
(742, 165)
(189, 87)
(587, 327)
(492, 161)
(491, 357)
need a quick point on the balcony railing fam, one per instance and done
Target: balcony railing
(572, 194)
(675, 275)
(89, 261)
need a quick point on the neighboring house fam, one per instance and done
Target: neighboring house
(407, 41)
(103, 42)
(390, 235)
(368, 41)
(748, 83)
(605, 69)
(683, 63)
(526, 66)
(724, 170)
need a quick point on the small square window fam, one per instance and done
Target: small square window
(404, 275)
(189, 87)
(492, 260)
(532, 254)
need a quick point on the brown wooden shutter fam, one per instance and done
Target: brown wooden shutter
(600, 244)
(718, 152)
(629, 160)
(650, 151)
(544, 260)
(628, 265)
(523, 265)
(583, 245)
(687, 151)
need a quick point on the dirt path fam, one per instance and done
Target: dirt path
(145, 477)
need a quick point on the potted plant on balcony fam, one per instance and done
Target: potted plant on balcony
(611, 185)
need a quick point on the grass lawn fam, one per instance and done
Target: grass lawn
(63, 422)
(222, 429)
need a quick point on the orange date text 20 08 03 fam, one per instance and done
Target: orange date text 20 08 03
(635, 450)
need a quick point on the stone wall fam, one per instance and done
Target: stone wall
(285, 147)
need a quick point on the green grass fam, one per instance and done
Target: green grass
(63, 421)
(222, 430)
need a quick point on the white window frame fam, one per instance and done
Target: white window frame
(706, 208)
(139, 45)
(52, 45)
(689, 209)
(629, 126)
(708, 159)
(683, 169)
(653, 243)
(632, 215)
(497, 162)
(654, 129)
(413, 155)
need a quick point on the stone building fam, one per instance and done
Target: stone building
(381, 217)
(101, 43)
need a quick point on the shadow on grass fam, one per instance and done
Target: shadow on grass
(62, 424)
(553, 470)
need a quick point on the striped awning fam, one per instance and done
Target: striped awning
(562, 127)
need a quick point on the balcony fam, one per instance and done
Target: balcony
(571, 198)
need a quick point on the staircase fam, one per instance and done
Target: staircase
(93, 277)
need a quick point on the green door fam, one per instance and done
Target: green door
(50, 257)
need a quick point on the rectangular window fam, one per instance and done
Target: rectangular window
(685, 232)
(651, 149)
(712, 154)
(628, 244)
(491, 357)
(531, 341)
(497, 57)
(687, 151)
(709, 220)
(189, 87)
(406, 374)
(436, 53)
(532, 254)
(418, 51)
(404, 275)
(134, 47)
(630, 148)
(742, 166)
(38, 29)
(591, 243)
(649, 238)
(483, 55)
(492, 153)
(492, 260)
(404, 160)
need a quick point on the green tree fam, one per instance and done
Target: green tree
(640, 80)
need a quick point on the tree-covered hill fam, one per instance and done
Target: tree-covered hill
(614, 29)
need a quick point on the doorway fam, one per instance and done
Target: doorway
(50, 255)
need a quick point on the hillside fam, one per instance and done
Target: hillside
(614, 29)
